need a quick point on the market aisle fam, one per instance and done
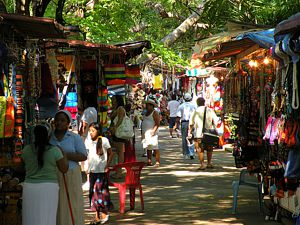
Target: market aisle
(175, 193)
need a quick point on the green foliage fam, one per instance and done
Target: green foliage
(114, 21)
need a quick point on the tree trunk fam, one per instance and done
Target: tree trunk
(2, 6)
(39, 7)
(183, 27)
(59, 12)
(22, 7)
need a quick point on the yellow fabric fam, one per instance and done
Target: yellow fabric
(158, 81)
(74, 183)
(2, 115)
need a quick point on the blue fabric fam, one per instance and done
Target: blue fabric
(264, 38)
(186, 150)
(292, 169)
(71, 142)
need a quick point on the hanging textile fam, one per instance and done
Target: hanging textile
(117, 89)
(114, 71)
(158, 82)
(2, 115)
(133, 74)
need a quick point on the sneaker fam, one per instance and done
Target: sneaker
(103, 221)
(192, 157)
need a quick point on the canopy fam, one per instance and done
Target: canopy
(264, 38)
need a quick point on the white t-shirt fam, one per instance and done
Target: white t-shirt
(196, 119)
(172, 107)
(89, 116)
(96, 163)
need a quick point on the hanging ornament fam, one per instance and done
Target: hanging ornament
(53, 65)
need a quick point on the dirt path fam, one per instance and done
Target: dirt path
(175, 193)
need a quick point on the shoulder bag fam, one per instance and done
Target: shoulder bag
(125, 130)
(209, 136)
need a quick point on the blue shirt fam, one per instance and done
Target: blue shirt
(185, 111)
(71, 142)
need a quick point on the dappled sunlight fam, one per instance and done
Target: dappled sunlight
(176, 193)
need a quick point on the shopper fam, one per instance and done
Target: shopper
(116, 116)
(40, 190)
(150, 126)
(184, 112)
(99, 158)
(172, 107)
(89, 116)
(196, 124)
(75, 150)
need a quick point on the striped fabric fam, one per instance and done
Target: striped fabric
(117, 89)
(114, 71)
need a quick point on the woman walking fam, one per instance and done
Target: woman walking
(150, 131)
(75, 151)
(40, 190)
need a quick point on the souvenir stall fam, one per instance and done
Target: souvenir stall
(282, 128)
(20, 86)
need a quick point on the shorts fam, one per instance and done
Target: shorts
(172, 122)
(199, 144)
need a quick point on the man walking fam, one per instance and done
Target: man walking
(172, 107)
(184, 112)
(196, 123)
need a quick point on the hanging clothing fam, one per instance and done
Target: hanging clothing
(158, 81)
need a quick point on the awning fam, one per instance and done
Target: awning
(243, 45)
(134, 48)
(77, 44)
(31, 27)
(286, 26)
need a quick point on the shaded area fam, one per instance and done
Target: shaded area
(176, 193)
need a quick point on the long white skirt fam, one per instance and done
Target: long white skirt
(39, 203)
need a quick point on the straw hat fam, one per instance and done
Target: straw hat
(187, 96)
(150, 101)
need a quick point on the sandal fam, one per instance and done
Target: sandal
(95, 222)
(201, 168)
(157, 164)
(210, 166)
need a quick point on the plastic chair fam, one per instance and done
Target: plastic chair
(242, 181)
(132, 182)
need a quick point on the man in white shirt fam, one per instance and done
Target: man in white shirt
(172, 107)
(196, 124)
(184, 112)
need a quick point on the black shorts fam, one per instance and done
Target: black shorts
(172, 122)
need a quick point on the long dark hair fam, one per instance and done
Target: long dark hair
(119, 100)
(98, 127)
(41, 141)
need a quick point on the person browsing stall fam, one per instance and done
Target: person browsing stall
(41, 161)
(75, 151)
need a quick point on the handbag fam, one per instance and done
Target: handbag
(210, 137)
(125, 130)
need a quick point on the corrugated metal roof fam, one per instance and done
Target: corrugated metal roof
(32, 27)
(82, 44)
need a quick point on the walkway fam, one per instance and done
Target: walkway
(175, 193)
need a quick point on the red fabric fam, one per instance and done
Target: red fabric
(129, 154)
(115, 82)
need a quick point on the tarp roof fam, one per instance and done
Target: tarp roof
(289, 25)
(30, 27)
(243, 45)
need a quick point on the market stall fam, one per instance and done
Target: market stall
(20, 86)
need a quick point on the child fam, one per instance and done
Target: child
(99, 157)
